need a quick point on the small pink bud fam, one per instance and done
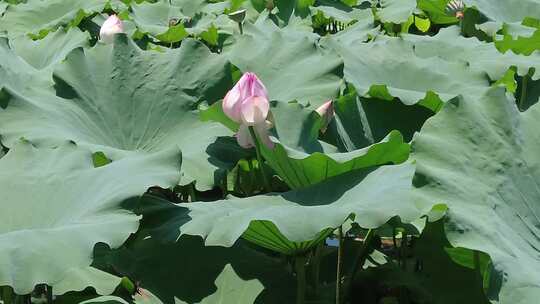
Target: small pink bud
(247, 101)
(326, 111)
(113, 25)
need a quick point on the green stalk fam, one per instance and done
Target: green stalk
(49, 294)
(394, 241)
(300, 265)
(339, 265)
(259, 159)
(360, 258)
(241, 27)
(316, 270)
(192, 196)
(524, 83)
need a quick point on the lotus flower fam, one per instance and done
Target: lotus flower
(326, 111)
(455, 8)
(113, 25)
(247, 103)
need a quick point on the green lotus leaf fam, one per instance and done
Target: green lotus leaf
(78, 279)
(389, 67)
(289, 63)
(230, 288)
(284, 222)
(164, 20)
(301, 160)
(505, 10)
(155, 18)
(479, 157)
(20, 78)
(343, 13)
(51, 49)
(73, 206)
(228, 275)
(362, 122)
(440, 279)
(37, 18)
(482, 56)
(123, 101)
(520, 38)
(436, 10)
(395, 11)
(108, 300)
(358, 32)
(291, 13)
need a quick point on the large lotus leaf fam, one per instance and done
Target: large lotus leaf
(155, 19)
(18, 77)
(289, 62)
(283, 221)
(479, 157)
(395, 11)
(439, 279)
(173, 271)
(343, 13)
(193, 7)
(230, 289)
(123, 101)
(37, 17)
(78, 279)
(51, 49)
(359, 31)
(389, 67)
(301, 160)
(73, 206)
(482, 56)
(506, 10)
(361, 122)
(436, 10)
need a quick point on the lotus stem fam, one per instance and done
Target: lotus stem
(523, 97)
(49, 294)
(339, 265)
(361, 257)
(300, 265)
(241, 28)
(316, 270)
(192, 193)
(260, 160)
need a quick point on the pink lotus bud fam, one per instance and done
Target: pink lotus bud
(247, 102)
(244, 139)
(113, 25)
(254, 110)
(326, 111)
